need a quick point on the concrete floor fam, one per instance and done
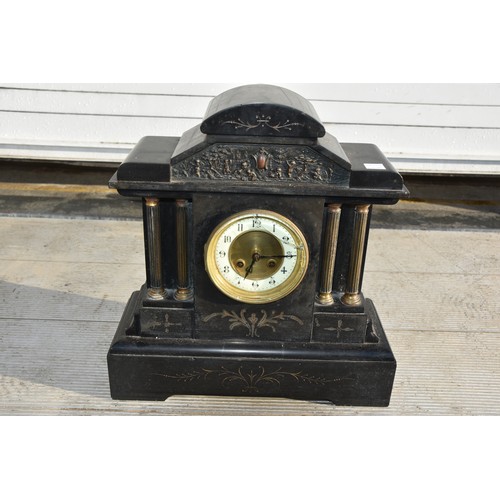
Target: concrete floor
(435, 282)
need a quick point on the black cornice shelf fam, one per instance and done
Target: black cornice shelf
(148, 169)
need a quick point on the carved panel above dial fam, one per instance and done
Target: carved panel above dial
(264, 163)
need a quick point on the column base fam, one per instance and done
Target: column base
(351, 299)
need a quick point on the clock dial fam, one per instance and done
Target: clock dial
(256, 256)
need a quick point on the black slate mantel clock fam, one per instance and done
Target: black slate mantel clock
(255, 227)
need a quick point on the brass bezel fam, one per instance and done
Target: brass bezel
(257, 297)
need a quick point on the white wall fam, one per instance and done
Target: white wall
(438, 128)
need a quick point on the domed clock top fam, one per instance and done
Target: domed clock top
(262, 110)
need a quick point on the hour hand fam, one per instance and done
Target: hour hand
(248, 270)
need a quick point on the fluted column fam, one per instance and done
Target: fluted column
(352, 295)
(330, 240)
(184, 291)
(153, 245)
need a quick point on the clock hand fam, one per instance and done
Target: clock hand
(257, 256)
(248, 270)
(297, 247)
(277, 256)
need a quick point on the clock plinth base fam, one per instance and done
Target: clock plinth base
(145, 368)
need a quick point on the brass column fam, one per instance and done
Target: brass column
(330, 239)
(153, 247)
(352, 296)
(184, 291)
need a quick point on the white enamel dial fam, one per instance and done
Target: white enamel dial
(256, 256)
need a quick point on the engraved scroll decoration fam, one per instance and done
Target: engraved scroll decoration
(253, 323)
(164, 325)
(336, 329)
(249, 380)
(262, 121)
(252, 163)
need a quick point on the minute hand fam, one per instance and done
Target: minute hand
(277, 256)
(297, 247)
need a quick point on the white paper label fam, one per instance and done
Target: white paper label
(375, 166)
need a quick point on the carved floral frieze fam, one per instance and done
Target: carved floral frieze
(252, 163)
